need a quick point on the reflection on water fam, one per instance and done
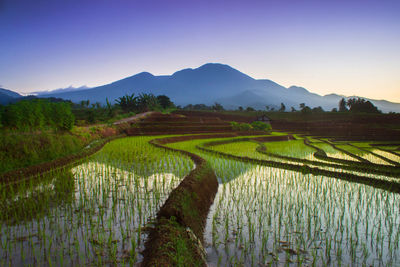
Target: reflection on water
(94, 214)
(273, 216)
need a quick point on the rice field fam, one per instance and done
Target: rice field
(332, 152)
(94, 214)
(292, 148)
(98, 212)
(265, 216)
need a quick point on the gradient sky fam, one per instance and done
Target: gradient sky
(346, 47)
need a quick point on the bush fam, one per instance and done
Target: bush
(235, 126)
(262, 126)
(245, 127)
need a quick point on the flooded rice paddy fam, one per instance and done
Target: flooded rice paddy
(98, 212)
(95, 213)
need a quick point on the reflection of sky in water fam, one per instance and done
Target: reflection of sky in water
(273, 215)
(102, 221)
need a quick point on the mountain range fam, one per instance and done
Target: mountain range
(212, 82)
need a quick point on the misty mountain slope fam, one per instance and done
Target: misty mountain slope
(7, 96)
(212, 82)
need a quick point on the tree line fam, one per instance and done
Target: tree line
(50, 113)
(37, 114)
(357, 105)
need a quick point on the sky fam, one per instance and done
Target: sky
(344, 47)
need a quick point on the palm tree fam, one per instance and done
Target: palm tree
(128, 103)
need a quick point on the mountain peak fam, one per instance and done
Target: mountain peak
(213, 72)
(144, 74)
(298, 89)
(216, 66)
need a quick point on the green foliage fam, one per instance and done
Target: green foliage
(38, 114)
(217, 107)
(262, 126)
(164, 101)
(306, 110)
(342, 105)
(22, 150)
(147, 102)
(235, 126)
(128, 103)
(143, 102)
(361, 105)
(245, 126)
(318, 109)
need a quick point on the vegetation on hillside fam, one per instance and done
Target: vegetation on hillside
(37, 114)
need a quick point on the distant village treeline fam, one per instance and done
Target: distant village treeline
(58, 114)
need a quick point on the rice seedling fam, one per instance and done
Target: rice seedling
(94, 214)
(332, 152)
(292, 148)
(98, 212)
(364, 154)
(268, 216)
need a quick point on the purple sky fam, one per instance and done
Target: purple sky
(346, 47)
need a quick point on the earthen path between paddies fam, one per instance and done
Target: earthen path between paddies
(126, 120)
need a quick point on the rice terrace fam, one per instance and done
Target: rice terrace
(245, 133)
(197, 188)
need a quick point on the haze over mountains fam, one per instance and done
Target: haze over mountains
(207, 84)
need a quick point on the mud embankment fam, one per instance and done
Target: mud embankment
(177, 238)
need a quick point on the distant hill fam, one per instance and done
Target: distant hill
(207, 84)
(7, 96)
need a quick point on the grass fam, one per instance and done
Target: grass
(22, 150)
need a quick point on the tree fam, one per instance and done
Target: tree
(217, 107)
(293, 109)
(361, 105)
(128, 103)
(302, 105)
(318, 110)
(249, 109)
(240, 108)
(342, 105)
(38, 113)
(164, 101)
(146, 102)
(283, 107)
(110, 109)
(306, 109)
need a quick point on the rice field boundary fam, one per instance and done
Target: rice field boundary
(181, 220)
(377, 183)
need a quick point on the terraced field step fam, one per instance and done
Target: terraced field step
(183, 123)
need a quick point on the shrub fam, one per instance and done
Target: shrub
(262, 126)
(245, 127)
(235, 126)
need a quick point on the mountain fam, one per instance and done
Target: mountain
(60, 90)
(207, 84)
(8, 96)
